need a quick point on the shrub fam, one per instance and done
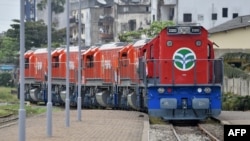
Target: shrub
(232, 101)
(6, 79)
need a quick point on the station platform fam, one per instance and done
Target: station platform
(96, 125)
(234, 117)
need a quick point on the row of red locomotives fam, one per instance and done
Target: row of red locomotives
(109, 75)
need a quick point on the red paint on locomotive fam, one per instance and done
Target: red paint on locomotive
(128, 62)
(41, 64)
(29, 64)
(59, 59)
(101, 63)
(197, 49)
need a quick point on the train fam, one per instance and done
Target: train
(174, 75)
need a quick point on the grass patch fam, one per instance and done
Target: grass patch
(12, 104)
(30, 110)
(6, 96)
(4, 112)
(156, 120)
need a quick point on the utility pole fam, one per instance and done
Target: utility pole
(79, 99)
(49, 103)
(67, 69)
(22, 111)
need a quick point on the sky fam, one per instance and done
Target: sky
(9, 10)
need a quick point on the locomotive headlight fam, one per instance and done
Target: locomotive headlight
(198, 43)
(207, 90)
(199, 90)
(161, 90)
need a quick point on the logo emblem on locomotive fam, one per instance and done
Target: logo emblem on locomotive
(184, 59)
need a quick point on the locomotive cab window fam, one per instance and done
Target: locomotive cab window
(55, 62)
(26, 63)
(89, 62)
(124, 61)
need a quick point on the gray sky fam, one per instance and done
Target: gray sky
(9, 10)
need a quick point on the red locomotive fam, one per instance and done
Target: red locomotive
(183, 78)
(174, 75)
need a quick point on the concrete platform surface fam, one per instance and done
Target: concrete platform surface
(96, 125)
(234, 117)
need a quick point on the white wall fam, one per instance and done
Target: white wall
(205, 8)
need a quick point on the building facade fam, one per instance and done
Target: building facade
(232, 36)
(208, 13)
(103, 20)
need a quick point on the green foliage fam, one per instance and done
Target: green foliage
(6, 96)
(154, 30)
(236, 65)
(233, 72)
(232, 101)
(6, 79)
(129, 36)
(156, 120)
(35, 35)
(245, 57)
(157, 26)
(57, 6)
(4, 112)
(58, 37)
(8, 50)
(13, 109)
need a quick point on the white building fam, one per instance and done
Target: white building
(208, 13)
(59, 20)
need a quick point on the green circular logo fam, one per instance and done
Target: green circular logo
(184, 59)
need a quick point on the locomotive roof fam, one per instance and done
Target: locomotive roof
(41, 50)
(112, 45)
(141, 42)
(71, 48)
(29, 51)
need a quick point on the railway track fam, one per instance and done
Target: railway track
(208, 130)
(8, 120)
(194, 133)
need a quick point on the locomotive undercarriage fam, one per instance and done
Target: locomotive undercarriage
(35, 93)
(184, 114)
(89, 99)
(115, 97)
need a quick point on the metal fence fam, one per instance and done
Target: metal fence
(237, 86)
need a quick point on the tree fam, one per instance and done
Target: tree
(157, 26)
(153, 30)
(36, 34)
(57, 6)
(5, 79)
(8, 50)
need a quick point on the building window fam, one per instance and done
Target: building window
(224, 12)
(153, 18)
(171, 13)
(214, 16)
(235, 15)
(132, 25)
(125, 9)
(148, 9)
(187, 17)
